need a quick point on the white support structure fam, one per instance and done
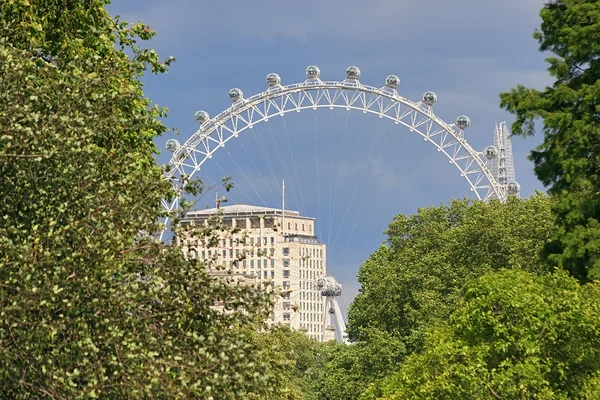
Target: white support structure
(332, 314)
(349, 94)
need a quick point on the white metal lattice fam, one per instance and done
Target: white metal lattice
(349, 94)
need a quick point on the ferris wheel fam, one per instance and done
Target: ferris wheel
(484, 171)
(489, 173)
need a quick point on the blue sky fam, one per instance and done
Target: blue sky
(467, 51)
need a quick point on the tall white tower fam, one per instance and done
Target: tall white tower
(501, 164)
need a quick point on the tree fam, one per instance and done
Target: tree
(86, 309)
(514, 335)
(568, 159)
(415, 280)
(299, 363)
(350, 369)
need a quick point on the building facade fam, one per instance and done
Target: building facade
(266, 245)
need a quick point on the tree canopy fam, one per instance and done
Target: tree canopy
(86, 309)
(514, 335)
(568, 160)
(414, 281)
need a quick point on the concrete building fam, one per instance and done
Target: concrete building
(263, 245)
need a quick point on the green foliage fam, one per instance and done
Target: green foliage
(568, 159)
(351, 369)
(514, 335)
(298, 363)
(415, 282)
(86, 310)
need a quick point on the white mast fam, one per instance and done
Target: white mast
(282, 206)
(502, 164)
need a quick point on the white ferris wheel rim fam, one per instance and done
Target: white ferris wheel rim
(313, 94)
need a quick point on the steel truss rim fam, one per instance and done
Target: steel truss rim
(202, 137)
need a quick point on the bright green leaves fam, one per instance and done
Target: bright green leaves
(514, 335)
(567, 161)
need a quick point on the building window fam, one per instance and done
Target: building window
(286, 273)
(286, 316)
(272, 262)
(296, 226)
(289, 225)
(252, 241)
(244, 263)
(252, 263)
(272, 239)
(286, 284)
(272, 274)
(224, 253)
(231, 253)
(286, 305)
(286, 262)
(286, 251)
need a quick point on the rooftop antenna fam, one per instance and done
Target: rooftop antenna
(217, 200)
(282, 206)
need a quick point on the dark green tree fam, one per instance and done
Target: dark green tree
(86, 310)
(514, 335)
(568, 160)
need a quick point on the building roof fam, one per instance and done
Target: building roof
(238, 209)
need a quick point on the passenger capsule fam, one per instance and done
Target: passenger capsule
(392, 82)
(463, 122)
(513, 188)
(172, 145)
(353, 73)
(313, 72)
(490, 152)
(201, 117)
(429, 98)
(273, 80)
(236, 95)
